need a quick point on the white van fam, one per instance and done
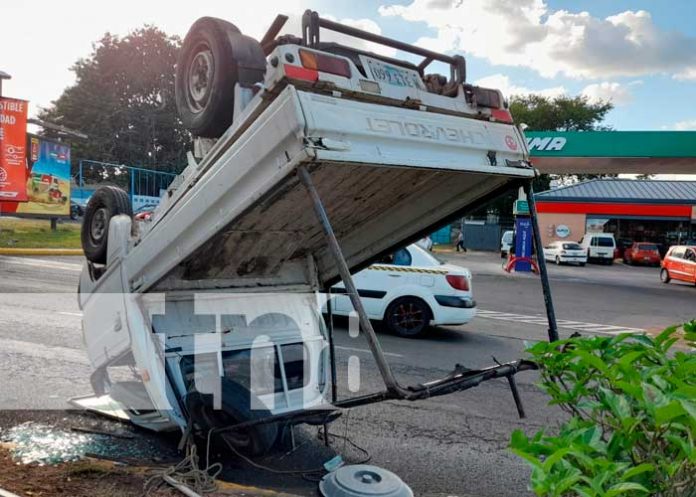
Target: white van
(506, 243)
(599, 246)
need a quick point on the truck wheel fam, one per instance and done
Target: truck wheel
(105, 203)
(408, 317)
(237, 406)
(214, 57)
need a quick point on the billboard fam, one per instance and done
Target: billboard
(47, 184)
(13, 167)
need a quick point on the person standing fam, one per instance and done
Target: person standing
(460, 242)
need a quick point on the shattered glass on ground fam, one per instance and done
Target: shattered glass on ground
(43, 444)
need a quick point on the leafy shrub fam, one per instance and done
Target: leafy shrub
(632, 426)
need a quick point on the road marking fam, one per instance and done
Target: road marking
(45, 263)
(66, 313)
(562, 323)
(365, 351)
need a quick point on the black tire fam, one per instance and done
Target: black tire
(664, 276)
(503, 255)
(407, 317)
(582, 264)
(105, 203)
(237, 406)
(558, 261)
(214, 57)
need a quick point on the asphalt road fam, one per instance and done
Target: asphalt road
(452, 445)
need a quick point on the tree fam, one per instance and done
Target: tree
(562, 113)
(123, 99)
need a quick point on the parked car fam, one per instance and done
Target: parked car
(565, 252)
(642, 253)
(506, 243)
(621, 245)
(76, 210)
(144, 212)
(679, 264)
(410, 290)
(600, 247)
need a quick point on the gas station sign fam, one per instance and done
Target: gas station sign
(13, 152)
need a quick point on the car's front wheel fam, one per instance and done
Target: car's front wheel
(558, 261)
(105, 203)
(407, 317)
(664, 276)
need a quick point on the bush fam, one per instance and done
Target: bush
(632, 426)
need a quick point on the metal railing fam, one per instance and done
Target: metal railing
(144, 186)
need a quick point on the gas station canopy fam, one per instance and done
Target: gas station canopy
(612, 152)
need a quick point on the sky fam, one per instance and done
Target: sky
(640, 54)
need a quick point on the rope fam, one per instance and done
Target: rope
(188, 473)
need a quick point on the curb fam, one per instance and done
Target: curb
(250, 491)
(40, 251)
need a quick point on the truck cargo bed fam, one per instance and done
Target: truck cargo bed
(385, 175)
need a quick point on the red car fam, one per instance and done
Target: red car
(642, 253)
(679, 264)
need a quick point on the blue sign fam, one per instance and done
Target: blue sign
(523, 242)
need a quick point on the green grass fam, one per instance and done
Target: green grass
(36, 233)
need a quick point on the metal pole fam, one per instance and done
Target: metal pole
(332, 348)
(132, 186)
(352, 292)
(541, 262)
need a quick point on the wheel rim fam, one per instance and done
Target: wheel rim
(408, 317)
(663, 275)
(200, 78)
(97, 228)
(558, 260)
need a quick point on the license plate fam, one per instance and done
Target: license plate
(392, 75)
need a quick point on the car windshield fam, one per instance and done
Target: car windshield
(572, 246)
(647, 246)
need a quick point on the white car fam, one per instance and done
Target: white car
(565, 252)
(599, 246)
(410, 290)
(506, 243)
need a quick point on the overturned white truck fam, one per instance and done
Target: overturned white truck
(314, 159)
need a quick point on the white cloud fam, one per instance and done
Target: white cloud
(687, 125)
(528, 33)
(502, 82)
(364, 24)
(613, 92)
(41, 57)
(686, 75)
